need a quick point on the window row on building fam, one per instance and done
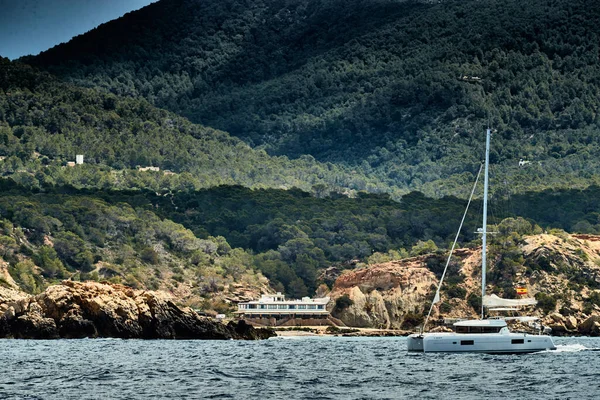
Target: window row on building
(281, 306)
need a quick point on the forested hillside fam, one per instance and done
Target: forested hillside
(204, 243)
(298, 109)
(51, 236)
(397, 89)
(44, 123)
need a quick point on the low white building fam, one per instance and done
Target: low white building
(143, 169)
(273, 308)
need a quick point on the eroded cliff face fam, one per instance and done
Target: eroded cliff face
(384, 294)
(91, 309)
(9, 296)
(566, 269)
(5, 276)
(562, 271)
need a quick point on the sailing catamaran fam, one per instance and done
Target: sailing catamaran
(481, 335)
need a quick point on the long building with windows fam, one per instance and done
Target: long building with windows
(274, 309)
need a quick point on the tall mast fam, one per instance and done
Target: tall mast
(484, 228)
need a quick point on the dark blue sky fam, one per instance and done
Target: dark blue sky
(31, 26)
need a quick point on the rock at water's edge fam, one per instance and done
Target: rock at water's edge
(591, 326)
(91, 309)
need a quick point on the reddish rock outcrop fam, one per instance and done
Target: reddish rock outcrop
(562, 270)
(383, 294)
(91, 309)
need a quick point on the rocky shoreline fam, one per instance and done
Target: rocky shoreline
(362, 332)
(92, 310)
(561, 271)
(345, 332)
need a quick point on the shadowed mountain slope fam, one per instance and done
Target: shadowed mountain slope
(44, 123)
(399, 89)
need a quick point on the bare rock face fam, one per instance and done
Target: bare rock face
(571, 323)
(6, 277)
(384, 294)
(91, 309)
(565, 268)
(558, 318)
(8, 296)
(591, 326)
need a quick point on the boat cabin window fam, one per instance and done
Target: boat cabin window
(467, 342)
(478, 329)
(518, 341)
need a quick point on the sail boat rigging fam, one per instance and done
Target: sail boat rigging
(486, 178)
(436, 298)
(481, 335)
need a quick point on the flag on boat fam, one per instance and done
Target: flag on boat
(521, 290)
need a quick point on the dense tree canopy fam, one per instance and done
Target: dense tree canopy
(400, 90)
(334, 133)
(44, 123)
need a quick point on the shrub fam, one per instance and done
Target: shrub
(594, 298)
(150, 256)
(546, 302)
(343, 302)
(412, 320)
(24, 273)
(445, 308)
(474, 301)
(456, 292)
(423, 248)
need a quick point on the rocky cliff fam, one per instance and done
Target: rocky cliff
(383, 295)
(562, 271)
(90, 309)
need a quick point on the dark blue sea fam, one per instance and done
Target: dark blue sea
(289, 368)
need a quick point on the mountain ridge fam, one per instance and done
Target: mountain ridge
(386, 88)
(45, 123)
(320, 95)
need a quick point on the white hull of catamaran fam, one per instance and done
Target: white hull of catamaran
(479, 343)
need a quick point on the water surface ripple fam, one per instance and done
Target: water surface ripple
(289, 368)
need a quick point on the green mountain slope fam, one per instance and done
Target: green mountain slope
(47, 237)
(396, 89)
(230, 234)
(44, 123)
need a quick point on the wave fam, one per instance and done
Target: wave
(572, 348)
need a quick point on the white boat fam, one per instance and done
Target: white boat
(481, 335)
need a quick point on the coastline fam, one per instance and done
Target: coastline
(305, 331)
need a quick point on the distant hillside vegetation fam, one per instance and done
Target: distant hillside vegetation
(44, 123)
(48, 237)
(296, 240)
(396, 89)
